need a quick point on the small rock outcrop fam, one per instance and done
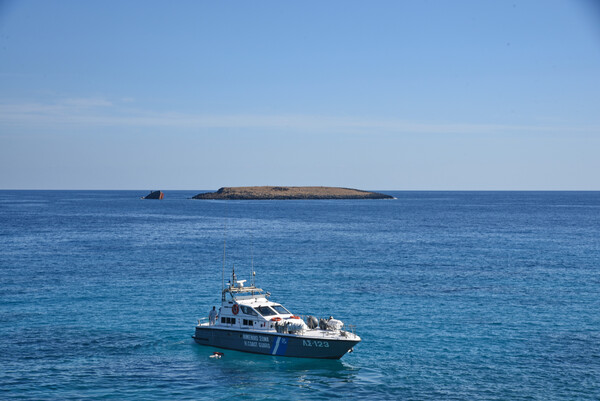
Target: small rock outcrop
(264, 193)
(155, 195)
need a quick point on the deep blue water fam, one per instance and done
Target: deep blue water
(456, 295)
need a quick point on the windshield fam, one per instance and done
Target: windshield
(266, 311)
(281, 310)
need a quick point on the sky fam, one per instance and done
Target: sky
(376, 95)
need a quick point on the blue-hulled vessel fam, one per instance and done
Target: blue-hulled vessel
(249, 321)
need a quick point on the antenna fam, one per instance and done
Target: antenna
(252, 255)
(224, 248)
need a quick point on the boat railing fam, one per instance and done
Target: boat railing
(203, 321)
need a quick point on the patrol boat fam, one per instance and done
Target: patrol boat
(248, 321)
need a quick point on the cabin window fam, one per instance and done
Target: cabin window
(222, 320)
(246, 310)
(266, 311)
(228, 320)
(246, 322)
(281, 310)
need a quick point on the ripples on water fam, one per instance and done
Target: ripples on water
(457, 295)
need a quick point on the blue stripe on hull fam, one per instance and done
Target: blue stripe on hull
(279, 346)
(282, 346)
(275, 346)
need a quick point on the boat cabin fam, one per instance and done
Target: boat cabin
(249, 308)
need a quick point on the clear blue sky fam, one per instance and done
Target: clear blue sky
(439, 95)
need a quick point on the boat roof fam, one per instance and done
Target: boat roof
(248, 292)
(239, 292)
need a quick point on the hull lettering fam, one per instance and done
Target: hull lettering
(315, 343)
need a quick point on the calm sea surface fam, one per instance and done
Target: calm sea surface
(456, 295)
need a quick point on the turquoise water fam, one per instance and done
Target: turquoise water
(456, 295)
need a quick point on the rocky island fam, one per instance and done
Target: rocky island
(245, 193)
(154, 195)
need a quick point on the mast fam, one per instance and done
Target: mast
(224, 248)
(252, 256)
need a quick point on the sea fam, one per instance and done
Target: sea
(456, 295)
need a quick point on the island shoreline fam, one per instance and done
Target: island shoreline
(289, 193)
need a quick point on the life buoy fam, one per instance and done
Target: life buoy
(235, 309)
(276, 319)
(294, 317)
